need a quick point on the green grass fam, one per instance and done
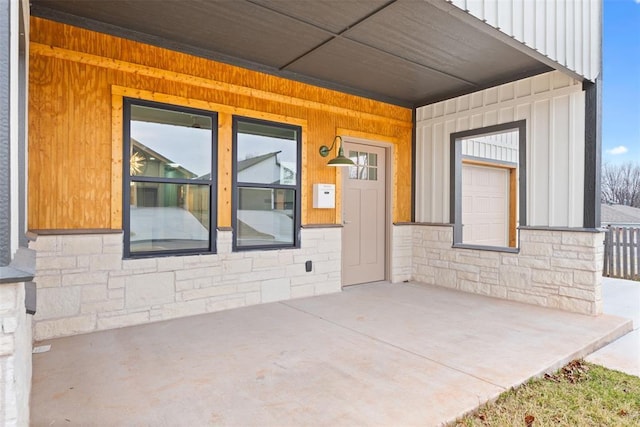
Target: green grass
(579, 394)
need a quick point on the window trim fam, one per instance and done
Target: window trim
(212, 183)
(455, 180)
(235, 186)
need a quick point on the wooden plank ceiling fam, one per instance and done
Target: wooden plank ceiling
(405, 52)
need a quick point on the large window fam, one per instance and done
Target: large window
(488, 200)
(169, 191)
(266, 178)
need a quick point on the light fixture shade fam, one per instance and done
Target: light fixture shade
(339, 161)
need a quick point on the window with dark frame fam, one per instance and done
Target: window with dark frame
(169, 187)
(266, 184)
(488, 186)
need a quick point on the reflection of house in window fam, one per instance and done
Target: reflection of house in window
(489, 189)
(155, 164)
(488, 178)
(266, 167)
(167, 179)
(266, 211)
(152, 163)
(151, 199)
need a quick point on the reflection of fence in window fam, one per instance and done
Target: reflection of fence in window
(622, 253)
(197, 199)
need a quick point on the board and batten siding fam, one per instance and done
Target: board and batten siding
(552, 105)
(78, 79)
(501, 147)
(567, 31)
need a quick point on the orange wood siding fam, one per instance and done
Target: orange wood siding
(78, 78)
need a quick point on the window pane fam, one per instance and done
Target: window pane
(353, 172)
(265, 217)
(488, 197)
(366, 168)
(362, 172)
(373, 174)
(169, 217)
(169, 144)
(266, 154)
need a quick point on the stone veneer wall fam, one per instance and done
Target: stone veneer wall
(84, 284)
(401, 253)
(554, 268)
(15, 356)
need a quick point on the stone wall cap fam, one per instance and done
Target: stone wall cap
(71, 232)
(10, 274)
(427, 224)
(568, 229)
(486, 248)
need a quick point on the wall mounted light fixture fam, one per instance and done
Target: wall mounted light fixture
(341, 160)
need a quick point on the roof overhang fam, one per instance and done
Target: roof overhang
(404, 52)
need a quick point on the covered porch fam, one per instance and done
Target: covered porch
(375, 354)
(407, 78)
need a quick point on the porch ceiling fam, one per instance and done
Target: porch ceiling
(406, 52)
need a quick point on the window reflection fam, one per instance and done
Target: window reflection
(366, 167)
(489, 183)
(169, 181)
(266, 184)
(265, 216)
(169, 144)
(168, 216)
(266, 154)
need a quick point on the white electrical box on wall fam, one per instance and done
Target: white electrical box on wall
(324, 196)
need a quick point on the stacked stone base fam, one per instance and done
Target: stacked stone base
(15, 356)
(84, 285)
(554, 268)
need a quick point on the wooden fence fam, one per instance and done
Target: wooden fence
(622, 253)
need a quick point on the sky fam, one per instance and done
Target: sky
(621, 81)
(162, 139)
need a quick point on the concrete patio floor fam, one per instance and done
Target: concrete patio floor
(377, 354)
(621, 298)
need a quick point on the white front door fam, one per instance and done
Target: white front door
(364, 215)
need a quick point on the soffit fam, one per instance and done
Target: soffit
(405, 52)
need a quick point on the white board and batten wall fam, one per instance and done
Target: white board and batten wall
(553, 106)
(566, 31)
(502, 147)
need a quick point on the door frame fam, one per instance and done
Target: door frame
(378, 141)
